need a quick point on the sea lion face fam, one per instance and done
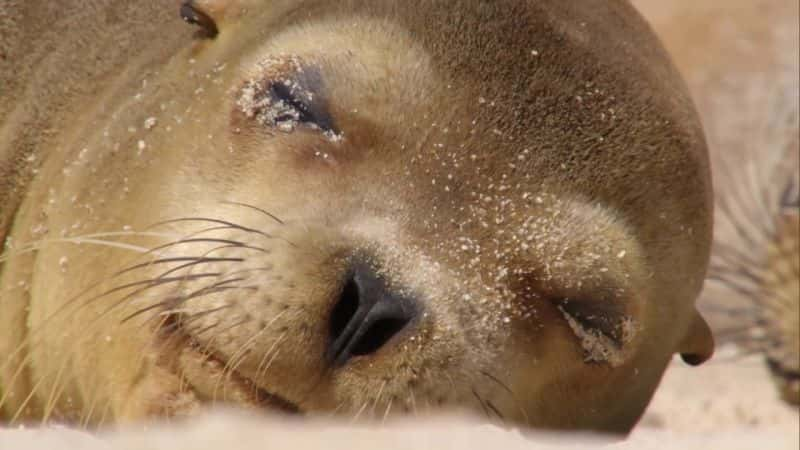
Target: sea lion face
(335, 216)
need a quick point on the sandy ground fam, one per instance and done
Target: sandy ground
(727, 404)
(731, 391)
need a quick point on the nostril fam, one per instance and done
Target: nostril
(366, 316)
(378, 333)
(344, 311)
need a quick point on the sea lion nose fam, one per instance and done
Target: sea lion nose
(366, 316)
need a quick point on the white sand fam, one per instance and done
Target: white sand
(727, 404)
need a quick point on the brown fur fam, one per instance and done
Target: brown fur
(55, 58)
(461, 120)
(781, 307)
(77, 65)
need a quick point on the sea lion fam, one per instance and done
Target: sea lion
(362, 207)
(781, 306)
(740, 60)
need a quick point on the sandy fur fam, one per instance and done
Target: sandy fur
(613, 136)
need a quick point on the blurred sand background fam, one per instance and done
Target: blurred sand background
(740, 60)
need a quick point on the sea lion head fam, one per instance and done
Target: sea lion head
(780, 307)
(379, 208)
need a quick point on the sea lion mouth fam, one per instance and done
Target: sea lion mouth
(212, 378)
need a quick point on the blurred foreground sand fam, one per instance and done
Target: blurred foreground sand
(728, 404)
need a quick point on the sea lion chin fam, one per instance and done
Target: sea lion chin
(363, 208)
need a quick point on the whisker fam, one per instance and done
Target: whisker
(175, 259)
(21, 367)
(359, 412)
(174, 273)
(237, 358)
(509, 391)
(77, 241)
(86, 416)
(261, 372)
(27, 400)
(388, 409)
(254, 208)
(149, 285)
(201, 332)
(193, 317)
(170, 302)
(104, 416)
(60, 310)
(496, 380)
(494, 409)
(55, 392)
(170, 326)
(236, 324)
(483, 405)
(33, 333)
(227, 225)
(189, 265)
(233, 243)
(378, 397)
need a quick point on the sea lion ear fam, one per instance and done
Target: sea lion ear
(209, 15)
(698, 344)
